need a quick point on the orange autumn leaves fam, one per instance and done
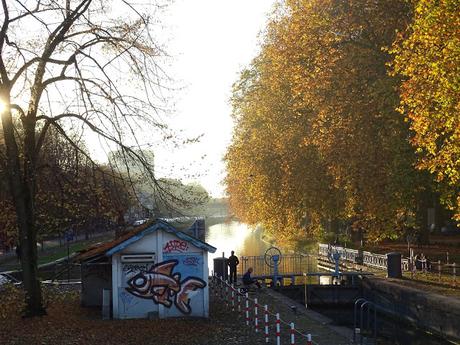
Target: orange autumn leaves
(318, 137)
(427, 55)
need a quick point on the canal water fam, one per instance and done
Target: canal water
(390, 331)
(235, 236)
(246, 241)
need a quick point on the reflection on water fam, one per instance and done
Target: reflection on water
(236, 236)
(246, 241)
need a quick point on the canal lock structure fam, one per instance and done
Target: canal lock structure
(390, 330)
(339, 308)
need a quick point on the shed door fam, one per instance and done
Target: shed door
(134, 298)
(189, 298)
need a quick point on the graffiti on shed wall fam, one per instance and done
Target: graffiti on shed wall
(161, 285)
(136, 267)
(191, 261)
(176, 246)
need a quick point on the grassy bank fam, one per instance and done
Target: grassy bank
(54, 253)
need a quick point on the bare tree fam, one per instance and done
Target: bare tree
(72, 65)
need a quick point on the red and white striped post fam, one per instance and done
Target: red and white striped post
(278, 333)
(256, 318)
(226, 294)
(266, 322)
(292, 330)
(233, 297)
(238, 297)
(309, 339)
(247, 309)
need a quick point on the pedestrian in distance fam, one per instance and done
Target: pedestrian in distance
(18, 252)
(233, 262)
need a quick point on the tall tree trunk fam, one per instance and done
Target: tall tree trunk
(425, 202)
(21, 183)
(28, 241)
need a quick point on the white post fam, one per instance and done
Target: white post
(233, 297)
(223, 266)
(266, 322)
(256, 319)
(455, 273)
(439, 270)
(226, 294)
(106, 294)
(247, 309)
(292, 334)
(278, 339)
(412, 263)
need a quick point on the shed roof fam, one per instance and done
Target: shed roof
(117, 245)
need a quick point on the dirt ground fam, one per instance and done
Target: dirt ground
(69, 323)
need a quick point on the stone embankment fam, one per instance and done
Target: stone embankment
(426, 310)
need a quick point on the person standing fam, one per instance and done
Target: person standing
(233, 262)
(18, 252)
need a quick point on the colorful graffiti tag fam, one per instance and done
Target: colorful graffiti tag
(136, 267)
(175, 246)
(160, 284)
(191, 261)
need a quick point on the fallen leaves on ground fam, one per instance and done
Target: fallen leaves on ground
(69, 323)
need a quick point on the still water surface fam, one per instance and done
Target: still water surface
(241, 238)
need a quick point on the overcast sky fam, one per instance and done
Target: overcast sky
(210, 42)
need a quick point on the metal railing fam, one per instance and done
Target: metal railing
(371, 328)
(352, 255)
(380, 261)
(290, 264)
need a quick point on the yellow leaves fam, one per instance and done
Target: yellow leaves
(430, 59)
(317, 134)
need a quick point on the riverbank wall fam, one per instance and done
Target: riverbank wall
(431, 312)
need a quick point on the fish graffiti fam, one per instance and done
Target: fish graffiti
(161, 285)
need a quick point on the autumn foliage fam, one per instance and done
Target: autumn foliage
(427, 55)
(318, 140)
(73, 193)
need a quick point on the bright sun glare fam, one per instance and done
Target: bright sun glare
(2, 106)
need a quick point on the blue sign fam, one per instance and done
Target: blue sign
(68, 236)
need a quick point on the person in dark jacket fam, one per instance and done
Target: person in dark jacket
(18, 252)
(233, 262)
(247, 279)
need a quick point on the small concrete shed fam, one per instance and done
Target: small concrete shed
(155, 270)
